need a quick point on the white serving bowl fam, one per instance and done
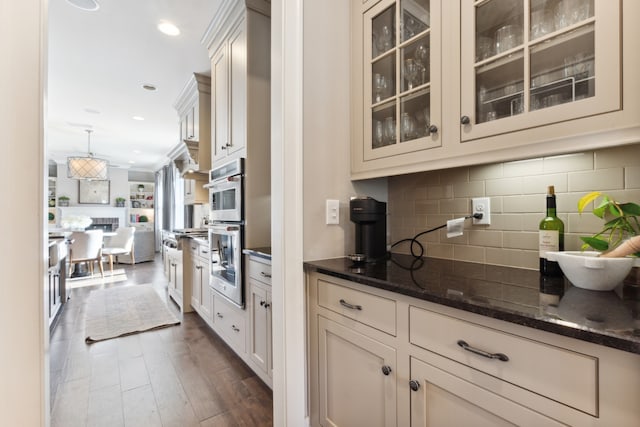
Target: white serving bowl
(588, 270)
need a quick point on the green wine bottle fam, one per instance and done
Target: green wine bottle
(551, 236)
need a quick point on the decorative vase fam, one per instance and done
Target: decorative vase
(63, 202)
(119, 204)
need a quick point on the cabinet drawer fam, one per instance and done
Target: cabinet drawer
(554, 372)
(372, 310)
(260, 271)
(203, 251)
(230, 322)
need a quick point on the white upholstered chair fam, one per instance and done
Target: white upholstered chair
(120, 244)
(86, 246)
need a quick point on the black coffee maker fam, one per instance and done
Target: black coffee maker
(370, 217)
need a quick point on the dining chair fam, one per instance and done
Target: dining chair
(120, 244)
(86, 246)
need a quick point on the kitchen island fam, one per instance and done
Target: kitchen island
(440, 342)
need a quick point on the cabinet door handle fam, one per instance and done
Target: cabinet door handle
(433, 129)
(235, 328)
(205, 252)
(267, 275)
(465, 120)
(224, 147)
(220, 316)
(351, 306)
(414, 385)
(500, 356)
(386, 369)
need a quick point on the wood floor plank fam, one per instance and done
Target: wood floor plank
(203, 397)
(71, 405)
(133, 373)
(140, 409)
(173, 403)
(105, 407)
(183, 376)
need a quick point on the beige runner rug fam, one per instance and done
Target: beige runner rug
(125, 310)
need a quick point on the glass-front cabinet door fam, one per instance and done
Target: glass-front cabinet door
(401, 77)
(527, 63)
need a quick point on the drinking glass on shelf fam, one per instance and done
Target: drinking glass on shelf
(410, 72)
(378, 135)
(491, 115)
(379, 85)
(541, 23)
(390, 130)
(421, 56)
(383, 42)
(408, 126)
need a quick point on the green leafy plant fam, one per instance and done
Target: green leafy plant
(621, 221)
(120, 200)
(63, 198)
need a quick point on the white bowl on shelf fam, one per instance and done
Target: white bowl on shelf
(587, 270)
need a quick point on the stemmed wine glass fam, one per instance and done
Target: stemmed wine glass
(380, 85)
(378, 134)
(390, 130)
(383, 42)
(408, 126)
(421, 56)
(410, 72)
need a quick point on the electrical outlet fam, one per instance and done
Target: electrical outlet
(481, 205)
(333, 211)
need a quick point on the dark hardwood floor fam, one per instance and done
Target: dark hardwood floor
(180, 376)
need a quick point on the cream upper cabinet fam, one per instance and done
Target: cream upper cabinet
(532, 63)
(194, 109)
(238, 40)
(397, 80)
(506, 79)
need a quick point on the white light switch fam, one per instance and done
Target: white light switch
(333, 211)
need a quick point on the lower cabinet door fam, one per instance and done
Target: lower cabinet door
(357, 378)
(441, 399)
(260, 326)
(205, 298)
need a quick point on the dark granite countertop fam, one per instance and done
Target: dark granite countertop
(263, 252)
(514, 295)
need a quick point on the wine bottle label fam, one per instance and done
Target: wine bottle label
(549, 240)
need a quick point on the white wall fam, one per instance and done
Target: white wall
(24, 388)
(326, 130)
(118, 187)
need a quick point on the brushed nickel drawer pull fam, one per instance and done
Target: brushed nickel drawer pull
(500, 356)
(263, 274)
(351, 306)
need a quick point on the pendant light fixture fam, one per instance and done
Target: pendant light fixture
(87, 167)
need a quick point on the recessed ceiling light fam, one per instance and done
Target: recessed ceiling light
(91, 111)
(137, 118)
(148, 86)
(136, 151)
(168, 28)
(132, 161)
(89, 5)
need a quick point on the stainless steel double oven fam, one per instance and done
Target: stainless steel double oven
(226, 230)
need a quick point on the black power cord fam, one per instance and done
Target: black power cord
(414, 240)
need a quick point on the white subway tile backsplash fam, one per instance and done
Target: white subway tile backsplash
(517, 191)
(538, 184)
(460, 206)
(483, 172)
(632, 177)
(523, 168)
(522, 204)
(469, 253)
(423, 206)
(488, 238)
(511, 222)
(469, 189)
(504, 186)
(599, 179)
(627, 155)
(438, 192)
(569, 162)
(520, 240)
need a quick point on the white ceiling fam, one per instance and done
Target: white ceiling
(97, 64)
